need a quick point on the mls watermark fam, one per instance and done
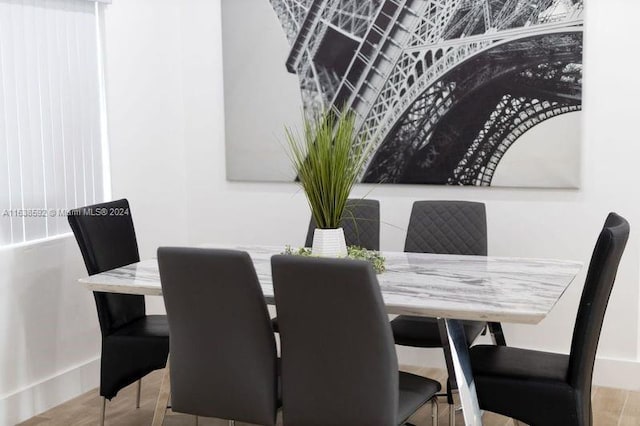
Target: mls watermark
(84, 211)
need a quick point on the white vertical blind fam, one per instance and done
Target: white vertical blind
(50, 115)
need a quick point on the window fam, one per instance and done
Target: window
(52, 152)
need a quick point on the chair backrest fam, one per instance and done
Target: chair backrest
(339, 364)
(107, 240)
(593, 304)
(360, 222)
(223, 350)
(447, 227)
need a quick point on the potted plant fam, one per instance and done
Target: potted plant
(327, 157)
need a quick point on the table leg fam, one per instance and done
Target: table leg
(163, 398)
(456, 353)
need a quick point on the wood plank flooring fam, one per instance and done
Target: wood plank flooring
(611, 407)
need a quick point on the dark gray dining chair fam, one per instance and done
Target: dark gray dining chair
(360, 222)
(133, 343)
(339, 364)
(443, 227)
(542, 388)
(361, 226)
(223, 351)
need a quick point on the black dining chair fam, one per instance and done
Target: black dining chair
(223, 350)
(133, 343)
(542, 388)
(339, 365)
(360, 222)
(444, 227)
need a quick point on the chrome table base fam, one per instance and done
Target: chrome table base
(456, 352)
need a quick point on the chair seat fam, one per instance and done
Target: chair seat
(516, 363)
(415, 391)
(424, 332)
(527, 385)
(148, 326)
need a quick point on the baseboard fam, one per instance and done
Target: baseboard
(617, 373)
(421, 357)
(608, 372)
(34, 399)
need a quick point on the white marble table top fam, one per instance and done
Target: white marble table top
(449, 286)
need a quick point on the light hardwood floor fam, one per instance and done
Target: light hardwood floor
(611, 407)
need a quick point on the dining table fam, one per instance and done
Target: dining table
(451, 288)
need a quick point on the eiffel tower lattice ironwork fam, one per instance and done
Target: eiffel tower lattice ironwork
(441, 87)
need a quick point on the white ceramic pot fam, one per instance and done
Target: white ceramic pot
(329, 243)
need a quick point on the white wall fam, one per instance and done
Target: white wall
(49, 335)
(146, 120)
(532, 222)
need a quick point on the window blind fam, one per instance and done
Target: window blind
(51, 115)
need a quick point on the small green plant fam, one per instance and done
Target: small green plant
(327, 158)
(302, 251)
(353, 252)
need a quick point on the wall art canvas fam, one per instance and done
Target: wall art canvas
(450, 92)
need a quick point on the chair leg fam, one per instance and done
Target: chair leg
(434, 411)
(163, 397)
(452, 415)
(196, 420)
(451, 390)
(497, 335)
(103, 410)
(232, 423)
(138, 393)
(452, 403)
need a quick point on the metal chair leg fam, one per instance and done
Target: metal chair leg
(434, 411)
(497, 335)
(103, 410)
(452, 414)
(196, 420)
(232, 423)
(138, 393)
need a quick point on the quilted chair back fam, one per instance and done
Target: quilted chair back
(447, 227)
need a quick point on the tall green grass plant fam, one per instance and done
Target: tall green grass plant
(327, 157)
